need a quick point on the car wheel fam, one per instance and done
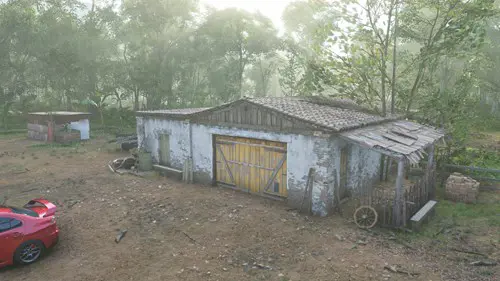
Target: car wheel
(29, 252)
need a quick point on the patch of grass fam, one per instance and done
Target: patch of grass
(458, 216)
(55, 145)
(466, 213)
(486, 273)
(14, 135)
(12, 168)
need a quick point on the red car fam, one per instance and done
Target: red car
(25, 233)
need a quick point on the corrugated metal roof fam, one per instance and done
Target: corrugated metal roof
(59, 113)
(397, 138)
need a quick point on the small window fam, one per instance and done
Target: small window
(4, 224)
(8, 224)
(24, 211)
(15, 223)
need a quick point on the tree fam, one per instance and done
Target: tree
(236, 39)
(359, 56)
(154, 36)
(18, 46)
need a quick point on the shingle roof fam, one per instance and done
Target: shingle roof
(335, 114)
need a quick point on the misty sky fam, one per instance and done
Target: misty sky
(273, 9)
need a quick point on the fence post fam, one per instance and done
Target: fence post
(399, 200)
(430, 181)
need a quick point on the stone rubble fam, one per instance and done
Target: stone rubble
(460, 188)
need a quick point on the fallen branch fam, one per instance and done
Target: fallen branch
(190, 238)
(401, 242)
(469, 252)
(393, 269)
(261, 266)
(120, 235)
(484, 263)
(28, 190)
(111, 167)
(439, 232)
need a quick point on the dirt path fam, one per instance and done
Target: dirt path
(186, 232)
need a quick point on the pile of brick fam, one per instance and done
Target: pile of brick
(460, 188)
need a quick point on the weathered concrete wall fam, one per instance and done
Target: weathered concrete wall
(83, 126)
(178, 132)
(303, 152)
(364, 168)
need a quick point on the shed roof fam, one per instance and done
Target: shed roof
(334, 114)
(172, 112)
(397, 138)
(57, 116)
(356, 124)
(59, 113)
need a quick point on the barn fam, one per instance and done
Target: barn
(287, 148)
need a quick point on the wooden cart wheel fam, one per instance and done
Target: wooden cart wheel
(365, 217)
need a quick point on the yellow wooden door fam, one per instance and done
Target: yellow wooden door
(253, 165)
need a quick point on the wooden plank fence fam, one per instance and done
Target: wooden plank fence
(415, 197)
(476, 173)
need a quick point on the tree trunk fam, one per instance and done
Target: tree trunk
(5, 114)
(69, 106)
(120, 108)
(241, 69)
(394, 53)
(384, 60)
(136, 99)
(102, 116)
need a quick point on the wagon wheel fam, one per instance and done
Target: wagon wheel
(365, 217)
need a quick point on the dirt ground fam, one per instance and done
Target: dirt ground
(193, 232)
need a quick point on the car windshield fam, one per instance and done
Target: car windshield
(24, 211)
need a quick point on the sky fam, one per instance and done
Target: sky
(273, 9)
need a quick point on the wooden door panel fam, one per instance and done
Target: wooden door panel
(250, 164)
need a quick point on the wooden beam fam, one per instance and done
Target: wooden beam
(430, 167)
(399, 200)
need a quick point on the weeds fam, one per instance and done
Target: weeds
(55, 145)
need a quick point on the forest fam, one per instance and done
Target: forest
(435, 61)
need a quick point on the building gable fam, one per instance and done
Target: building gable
(248, 115)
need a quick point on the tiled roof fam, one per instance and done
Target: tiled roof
(328, 113)
(335, 114)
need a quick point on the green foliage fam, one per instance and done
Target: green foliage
(476, 157)
(155, 54)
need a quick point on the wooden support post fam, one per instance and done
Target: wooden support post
(388, 168)
(399, 200)
(431, 180)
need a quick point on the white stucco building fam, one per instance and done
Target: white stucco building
(267, 146)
